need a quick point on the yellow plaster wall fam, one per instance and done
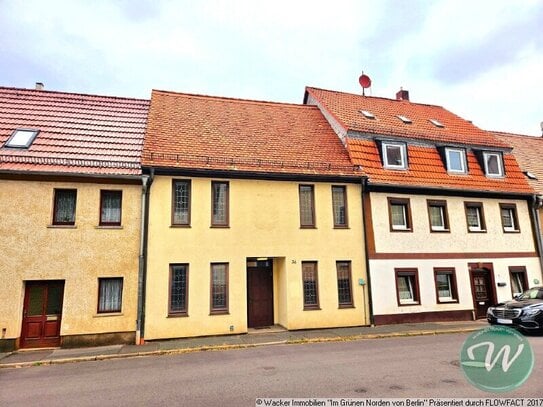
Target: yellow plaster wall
(459, 240)
(31, 249)
(264, 222)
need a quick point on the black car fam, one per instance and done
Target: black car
(524, 313)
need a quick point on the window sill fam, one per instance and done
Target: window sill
(221, 312)
(401, 230)
(308, 227)
(346, 306)
(61, 226)
(440, 230)
(511, 231)
(180, 226)
(477, 231)
(447, 301)
(177, 315)
(341, 227)
(220, 226)
(108, 227)
(312, 308)
(108, 314)
(407, 304)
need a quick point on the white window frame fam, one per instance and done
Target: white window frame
(403, 155)
(462, 153)
(512, 211)
(443, 226)
(449, 298)
(478, 228)
(486, 156)
(18, 136)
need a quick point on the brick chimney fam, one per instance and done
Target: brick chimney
(39, 86)
(402, 95)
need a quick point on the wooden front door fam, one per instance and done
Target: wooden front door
(482, 291)
(42, 314)
(260, 296)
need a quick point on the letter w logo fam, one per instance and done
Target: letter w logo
(504, 352)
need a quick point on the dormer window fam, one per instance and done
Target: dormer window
(367, 115)
(404, 119)
(21, 138)
(493, 164)
(394, 155)
(456, 160)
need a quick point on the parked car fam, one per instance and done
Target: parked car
(524, 312)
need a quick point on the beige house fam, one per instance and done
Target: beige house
(449, 226)
(255, 219)
(70, 197)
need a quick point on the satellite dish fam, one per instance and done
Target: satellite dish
(365, 82)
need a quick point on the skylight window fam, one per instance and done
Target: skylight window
(436, 123)
(404, 119)
(530, 175)
(367, 115)
(21, 138)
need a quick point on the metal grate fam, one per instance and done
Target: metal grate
(506, 313)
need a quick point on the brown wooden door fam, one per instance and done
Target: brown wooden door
(259, 297)
(42, 314)
(482, 292)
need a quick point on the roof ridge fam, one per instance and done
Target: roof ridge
(506, 133)
(232, 99)
(57, 92)
(377, 97)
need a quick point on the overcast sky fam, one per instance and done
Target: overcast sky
(480, 59)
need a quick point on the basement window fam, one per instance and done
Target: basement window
(404, 119)
(21, 138)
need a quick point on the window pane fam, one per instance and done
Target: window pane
(178, 289)
(110, 295)
(307, 217)
(507, 218)
(444, 287)
(35, 302)
(219, 288)
(54, 299)
(405, 288)
(344, 282)
(398, 215)
(393, 155)
(455, 160)
(492, 164)
(436, 217)
(516, 283)
(111, 207)
(220, 203)
(181, 202)
(474, 218)
(339, 206)
(309, 275)
(64, 206)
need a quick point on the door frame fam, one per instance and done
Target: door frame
(486, 268)
(46, 342)
(269, 267)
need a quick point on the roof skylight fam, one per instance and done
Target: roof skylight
(368, 115)
(21, 138)
(530, 175)
(436, 123)
(404, 119)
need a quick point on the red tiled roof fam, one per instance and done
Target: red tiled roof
(426, 169)
(205, 132)
(345, 108)
(528, 151)
(78, 134)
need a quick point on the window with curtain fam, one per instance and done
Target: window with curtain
(219, 287)
(219, 210)
(110, 292)
(445, 280)
(64, 210)
(399, 214)
(437, 212)
(519, 280)
(509, 218)
(339, 206)
(475, 216)
(181, 202)
(407, 286)
(110, 208)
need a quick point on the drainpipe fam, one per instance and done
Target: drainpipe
(364, 185)
(536, 226)
(146, 182)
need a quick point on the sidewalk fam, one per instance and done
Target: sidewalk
(262, 337)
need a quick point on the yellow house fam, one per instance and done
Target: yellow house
(254, 219)
(70, 198)
(449, 222)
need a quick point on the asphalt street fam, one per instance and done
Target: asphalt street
(422, 366)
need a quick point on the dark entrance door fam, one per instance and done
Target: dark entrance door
(260, 295)
(482, 291)
(42, 314)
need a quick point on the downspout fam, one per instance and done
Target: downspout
(146, 181)
(364, 185)
(536, 227)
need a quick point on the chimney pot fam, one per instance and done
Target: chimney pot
(402, 95)
(39, 86)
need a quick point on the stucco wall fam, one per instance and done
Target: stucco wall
(31, 249)
(264, 222)
(384, 284)
(459, 240)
